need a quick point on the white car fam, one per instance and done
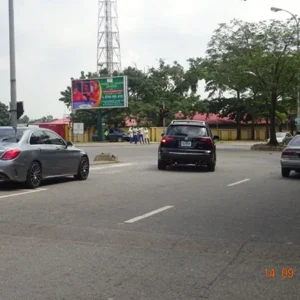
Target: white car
(290, 157)
(283, 137)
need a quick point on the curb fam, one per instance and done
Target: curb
(265, 147)
(104, 163)
(112, 144)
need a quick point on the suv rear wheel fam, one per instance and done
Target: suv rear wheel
(212, 165)
(161, 165)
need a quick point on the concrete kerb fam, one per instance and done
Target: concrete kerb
(93, 163)
(97, 144)
(105, 158)
(266, 147)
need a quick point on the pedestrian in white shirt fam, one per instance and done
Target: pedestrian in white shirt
(141, 135)
(130, 134)
(135, 136)
(146, 135)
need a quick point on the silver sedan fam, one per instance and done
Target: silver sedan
(34, 154)
(290, 157)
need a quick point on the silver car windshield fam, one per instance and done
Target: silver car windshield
(7, 135)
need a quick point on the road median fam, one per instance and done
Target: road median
(267, 147)
(105, 158)
(109, 144)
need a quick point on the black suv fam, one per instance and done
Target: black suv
(187, 142)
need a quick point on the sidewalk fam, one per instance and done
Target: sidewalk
(112, 144)
(107, 144)
(239, 143)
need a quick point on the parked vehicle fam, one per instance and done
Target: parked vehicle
(283, 137)
(187, 142)
(290, 157)
(114, 136)
(34, 154)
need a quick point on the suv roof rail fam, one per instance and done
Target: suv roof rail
(188, 122)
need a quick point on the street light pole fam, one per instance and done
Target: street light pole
(13, 85)
(276, 9)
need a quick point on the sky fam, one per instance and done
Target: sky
(57, 39)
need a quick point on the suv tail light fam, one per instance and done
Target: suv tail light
(207, 141)
(166, 139)
(10, 154)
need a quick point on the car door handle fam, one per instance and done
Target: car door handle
(39, 149)
(57, 148)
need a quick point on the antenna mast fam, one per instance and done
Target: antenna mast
(108, 42)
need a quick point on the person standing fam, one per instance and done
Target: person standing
(130, 135)
(146, 135)
(106, 134)
(141, 135)
(135, 135)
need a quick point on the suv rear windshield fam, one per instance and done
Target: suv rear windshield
(187, 130)
(7, 135)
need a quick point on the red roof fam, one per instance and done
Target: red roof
(61, 121)
(56, 122)
(213, 119)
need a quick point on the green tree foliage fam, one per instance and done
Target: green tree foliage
(24, 120)
(250, 71)
(258, 58)
(4, 115)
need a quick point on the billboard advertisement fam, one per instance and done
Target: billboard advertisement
(110, 92)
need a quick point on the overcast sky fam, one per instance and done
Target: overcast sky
(56, 39)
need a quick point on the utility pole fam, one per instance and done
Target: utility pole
(276, 9)
(13, 82)
(164, 118)
(298, 87)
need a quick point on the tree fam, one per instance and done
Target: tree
(266, 50)
(4, 115)
(24, 120)
(222, 72)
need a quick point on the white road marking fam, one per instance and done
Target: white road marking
(238, 182)
(22, 193)
(148, 214)
(112, 166)
(107, 172)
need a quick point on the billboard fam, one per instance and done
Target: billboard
(109, 92)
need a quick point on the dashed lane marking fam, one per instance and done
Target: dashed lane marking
(148, 214)
(23, 193)
(238, 182)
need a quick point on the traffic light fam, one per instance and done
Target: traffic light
(166, 113)
(20, 109)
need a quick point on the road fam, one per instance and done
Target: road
(131, 232)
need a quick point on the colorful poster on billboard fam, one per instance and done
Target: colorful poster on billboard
(111, 92)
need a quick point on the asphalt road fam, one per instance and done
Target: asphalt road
(131, 232)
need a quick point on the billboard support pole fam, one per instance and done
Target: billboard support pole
(99, 125)
(13, 89)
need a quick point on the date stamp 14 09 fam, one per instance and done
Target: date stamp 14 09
(283, 273)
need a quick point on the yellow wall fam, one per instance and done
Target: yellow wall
(155, 134)
(81, 138)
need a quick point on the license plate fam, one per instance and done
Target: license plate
(186, 144)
